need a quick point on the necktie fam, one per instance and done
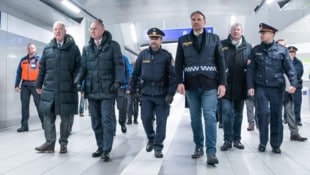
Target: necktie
(97, 43)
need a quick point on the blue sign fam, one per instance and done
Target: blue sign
(175, 34)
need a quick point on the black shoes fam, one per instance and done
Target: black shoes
(212, 160)
(238, 145)
(22, 129)
(261, 148)
(220, 125)
(299, 123)
(149, 146)
(63, 149)
(198, 153)
(45, 147)
(298, 138)
(98, 153)
(105, 157)
(124, 128)
(135, 122)
(226, 146)
(276, 150)
(158, 154)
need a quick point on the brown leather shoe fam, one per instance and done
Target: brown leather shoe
(250, 128)
(298, 138)
(63, 149)
(45, 147)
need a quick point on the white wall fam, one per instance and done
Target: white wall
(19, 27)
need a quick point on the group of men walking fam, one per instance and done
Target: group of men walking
(205, 70)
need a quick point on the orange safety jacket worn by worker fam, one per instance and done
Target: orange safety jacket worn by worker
(27, 70)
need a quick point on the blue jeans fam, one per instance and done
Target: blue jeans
(232, 119)
(203, 101)
(82, 103)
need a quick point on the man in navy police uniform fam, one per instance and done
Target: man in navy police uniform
(268, 61)
(299, 72)
(154, 67)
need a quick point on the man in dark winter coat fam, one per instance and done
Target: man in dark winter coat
(58, 68)
(236, 53)
(103, 70)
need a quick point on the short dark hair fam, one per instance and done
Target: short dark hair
(99, 21)
(198, 12)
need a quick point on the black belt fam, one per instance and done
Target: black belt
(155, 83)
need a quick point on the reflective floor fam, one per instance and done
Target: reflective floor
(128, 157)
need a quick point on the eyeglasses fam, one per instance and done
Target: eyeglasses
(92, 29)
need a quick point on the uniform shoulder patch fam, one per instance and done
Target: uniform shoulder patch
(224, 48)
(186, 44)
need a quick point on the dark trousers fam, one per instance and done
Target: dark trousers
(133, 107)
(122, 105)
(297, 104)
(26, 92)
(157, 104)
(232, 119)
(103, 122)
(273, 97)
(50, 129)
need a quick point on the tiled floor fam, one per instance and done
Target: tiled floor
(18, 157)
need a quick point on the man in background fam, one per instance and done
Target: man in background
(27, 73)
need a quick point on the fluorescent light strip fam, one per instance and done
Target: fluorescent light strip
(71, 6)
(133, 33)
(269, 1)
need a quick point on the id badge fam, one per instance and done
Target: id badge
(33, 65)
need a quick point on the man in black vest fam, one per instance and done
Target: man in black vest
(200, 59)
(154, 67)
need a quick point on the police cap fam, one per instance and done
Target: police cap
(266, 28)
(155, 32)
(292, 49)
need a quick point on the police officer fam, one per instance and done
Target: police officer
(154, 66)
(27, 73)
(297, 95)
(268, 62)
(288, 104)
